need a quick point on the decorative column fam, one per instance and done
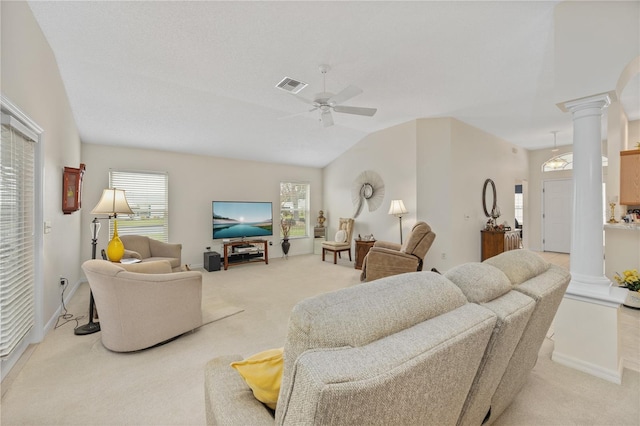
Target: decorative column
(586, 326)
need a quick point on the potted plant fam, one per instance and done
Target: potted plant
(630, 279)
(285, 226)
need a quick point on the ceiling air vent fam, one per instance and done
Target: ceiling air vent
(290, 85)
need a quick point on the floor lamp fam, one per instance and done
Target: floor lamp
(398, 209)
(112, 203)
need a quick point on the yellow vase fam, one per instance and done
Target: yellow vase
(115, 249)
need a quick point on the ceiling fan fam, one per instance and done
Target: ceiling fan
(326, 102)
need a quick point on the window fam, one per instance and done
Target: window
(519, 205)
(564, 162)
(17, 227)
(147, 195)
(294, 207)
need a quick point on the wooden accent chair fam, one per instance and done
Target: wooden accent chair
(342, 240)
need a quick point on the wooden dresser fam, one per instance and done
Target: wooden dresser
(496, 242)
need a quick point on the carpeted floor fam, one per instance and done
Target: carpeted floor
(74, 380)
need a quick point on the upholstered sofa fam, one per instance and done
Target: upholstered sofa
(416, 348)
(148, 250)
(143, 304)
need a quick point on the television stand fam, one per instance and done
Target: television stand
(248, 251)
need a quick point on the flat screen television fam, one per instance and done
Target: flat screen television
(242, 219)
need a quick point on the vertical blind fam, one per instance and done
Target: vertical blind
(147, 195)
(17, 154)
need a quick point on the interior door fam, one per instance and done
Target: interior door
(557, 217)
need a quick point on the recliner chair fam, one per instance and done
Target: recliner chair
(387, 258)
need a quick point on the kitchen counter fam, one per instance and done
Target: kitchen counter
(621, 247)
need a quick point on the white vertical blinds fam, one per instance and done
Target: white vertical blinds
(17, 189)
(148, 196)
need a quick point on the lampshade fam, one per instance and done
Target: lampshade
(397, 207)
(112, 203)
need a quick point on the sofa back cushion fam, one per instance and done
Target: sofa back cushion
(546, 285)
(363, 315)
(378, 327)
(490, 287)
(137, 243)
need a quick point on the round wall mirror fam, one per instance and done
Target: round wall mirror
(494, 200)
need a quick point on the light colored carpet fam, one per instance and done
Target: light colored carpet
(74, 380)
(215, 309)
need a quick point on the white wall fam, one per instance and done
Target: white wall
(438, 168)
(194, 182)
(31, 80)
(391, 154)
(456, 159)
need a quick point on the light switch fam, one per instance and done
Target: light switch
(47, 226)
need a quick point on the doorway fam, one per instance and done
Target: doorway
(557, 217)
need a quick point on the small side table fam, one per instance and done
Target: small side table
(362, 248)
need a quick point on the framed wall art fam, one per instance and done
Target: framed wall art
(72, 189)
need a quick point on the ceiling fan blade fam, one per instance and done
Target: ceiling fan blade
(297, 114)
(305, 100)
(355, 110)
(346, 93)
(327, 119)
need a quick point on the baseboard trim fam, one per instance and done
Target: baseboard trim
(589, 368)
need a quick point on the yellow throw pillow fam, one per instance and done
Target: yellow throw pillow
(263, 374)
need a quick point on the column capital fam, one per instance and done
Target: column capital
(600, 101)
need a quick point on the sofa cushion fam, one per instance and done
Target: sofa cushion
(479, 282)
(341, 236)
(519, 265)
(263, 374)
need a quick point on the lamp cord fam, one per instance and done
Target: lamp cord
(64, 315)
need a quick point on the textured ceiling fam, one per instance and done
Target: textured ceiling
(199, 77)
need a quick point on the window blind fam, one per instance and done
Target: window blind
(17, 189)
(147, 195)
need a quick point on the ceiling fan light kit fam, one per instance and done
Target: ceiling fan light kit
(327, 102)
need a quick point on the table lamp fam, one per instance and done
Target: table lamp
(397, 208)
(112, 203)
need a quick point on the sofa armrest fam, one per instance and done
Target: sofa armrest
(228, 398)
(388, 245)
(160, 249)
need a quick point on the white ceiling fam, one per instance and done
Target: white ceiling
(199, 77)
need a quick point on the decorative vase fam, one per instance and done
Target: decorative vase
(285, 246)
(633, 299)
(115, 249)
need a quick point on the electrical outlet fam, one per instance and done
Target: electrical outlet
(444, 256)
(63, 281)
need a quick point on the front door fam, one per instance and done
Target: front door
(557, 218)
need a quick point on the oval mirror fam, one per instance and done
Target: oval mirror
(494, 201)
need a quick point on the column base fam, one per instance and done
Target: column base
(599, 290)
(586, 338)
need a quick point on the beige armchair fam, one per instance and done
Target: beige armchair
(143, 304)
(147, 250)
(386, 258)
(342, 240)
